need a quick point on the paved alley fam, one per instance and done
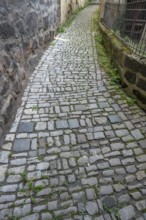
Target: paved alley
(77, 149)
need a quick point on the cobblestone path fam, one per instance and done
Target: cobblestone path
(76, 149)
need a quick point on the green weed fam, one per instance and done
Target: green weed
(24, 177)
(32, 199)
(23, 191)
(114, 210)
(105, 61)
(38, 188)
(14, 218)
(35, 108)
(10, 155)
(40, 157)
(57, 217)
(52, 44)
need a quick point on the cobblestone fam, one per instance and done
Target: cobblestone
(76, 148)
(21, 145)
(25, 127)
(127, 213)
(92, 208)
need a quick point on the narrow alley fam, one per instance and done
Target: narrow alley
(76, 150)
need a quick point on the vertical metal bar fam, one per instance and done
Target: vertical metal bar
(130, 22)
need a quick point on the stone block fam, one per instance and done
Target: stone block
(135, 65)
(130, 77)
(141, 84)
(21, 145)
(25, 127)
(140, 96)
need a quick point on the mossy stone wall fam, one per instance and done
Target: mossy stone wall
(131, 68)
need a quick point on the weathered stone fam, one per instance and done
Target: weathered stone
(42, 166)
(92, 208)
(109, 202)
(143, 144)
(83, 161)
(25, 127)
(101, 120)
(80, 196)
(140, 96)
(95, 158)
(81, 207)
(3, 169)
(52, 205)
(105, 190)
(131, 169)
(141, 84)
(127, 213)
(124, 199)
(46, 216)
(115, 162)
(141, 158)
(134, 65)
(140, 175)
(32, 217)
(99, 135)
(21, 145)
(18, 162)
(73, 123)
(117, 146)
(80, 107)
(40, 126)
(7, 198)
(114, 119)
(81, 138)
(62, 124)
(131, 77)
(91, 195)
(4, 156)
(119, 187)
(51, 125)
(91, 181)
(137, 134)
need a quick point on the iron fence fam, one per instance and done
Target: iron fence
(128, 21)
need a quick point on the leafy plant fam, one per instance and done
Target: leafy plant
(32, 199)
(38, 188)
(10, 155)
(30, 185)
(40, 157)
(24, 177)
(31, 189)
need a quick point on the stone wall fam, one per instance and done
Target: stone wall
(132, 69)
(26, 27)
(69, 6)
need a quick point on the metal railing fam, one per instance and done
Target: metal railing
(128, 21)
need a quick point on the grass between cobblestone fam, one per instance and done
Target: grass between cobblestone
(105, 61)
